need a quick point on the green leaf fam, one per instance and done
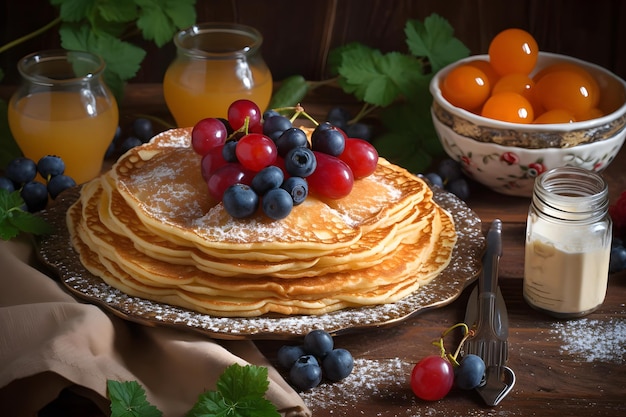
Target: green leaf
(74, 10)
(13, 219)
(118, 10)
(238, 382)
(128, 399)
(160, 19)
(240, 392)
(376, 78)
(122, 59)
(290, 93)
(435, 40)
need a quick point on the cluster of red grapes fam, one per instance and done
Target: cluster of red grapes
(254, 160)
(434, 376)
(20, 175)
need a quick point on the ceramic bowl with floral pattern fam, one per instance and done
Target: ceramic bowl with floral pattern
(508, 156)
(512, 170)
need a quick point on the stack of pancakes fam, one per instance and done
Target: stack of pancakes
(149, 228)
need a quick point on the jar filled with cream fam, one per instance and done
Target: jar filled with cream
(568, 243)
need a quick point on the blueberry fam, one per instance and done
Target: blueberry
(359, 130)
(318, 343)
(50, 166)
(129, 143)
(228, 151)
(300, 162)
(305, 373)
(270, 113)
(470, 372)
(328, 140)
(337, 364)
(297, 187)
(277, 203)
(58, 184)
(6, 184)
(110, 150)
(460, 188)
(435, 179)
(21, 170)
(240, 201)
(274, 126)
(338, 116)
(291, 138)
(35, 195)
(288, 355)
(143, 129)
(618, 258)
(266, 179)
(449, 170)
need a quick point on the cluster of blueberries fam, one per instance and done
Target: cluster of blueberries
(315, 359)
(21, 173)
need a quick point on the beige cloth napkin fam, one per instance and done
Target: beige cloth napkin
(49, 341)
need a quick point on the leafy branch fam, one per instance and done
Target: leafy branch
(240, 392)
(393, 86)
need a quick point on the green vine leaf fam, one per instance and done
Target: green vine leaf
(160, 19)
(434, 39)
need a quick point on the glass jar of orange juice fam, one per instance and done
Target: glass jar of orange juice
(216, 64)
(64, 108)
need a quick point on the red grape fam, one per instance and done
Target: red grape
(432, 378)
(239, 110)
(256, 151)
(332, 178)
(361, 156)
(207, 134)
(229, 174)
(212, 161)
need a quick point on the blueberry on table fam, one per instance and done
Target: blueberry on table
(318, 343)
(305, 373)
(21, 170)
(6, 184)
(35, 195)
(288, 355)
(58, 184)
(470, 372)
(337, 364)
(50, 166)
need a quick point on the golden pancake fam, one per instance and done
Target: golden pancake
(149, 228)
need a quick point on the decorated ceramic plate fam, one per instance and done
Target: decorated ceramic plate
(56, 251)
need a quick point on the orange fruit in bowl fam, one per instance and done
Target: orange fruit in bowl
(508, 107)
(466, 86)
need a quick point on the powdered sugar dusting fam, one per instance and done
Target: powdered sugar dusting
(380, 381)
(56, 251)
(593, 340)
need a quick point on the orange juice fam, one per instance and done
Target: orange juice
(58, 123)
(198, 89)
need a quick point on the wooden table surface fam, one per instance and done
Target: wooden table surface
(563, 368)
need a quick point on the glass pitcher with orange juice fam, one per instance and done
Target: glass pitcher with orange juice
(63, 108)
(216, 64)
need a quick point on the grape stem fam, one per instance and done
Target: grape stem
(467, 333)
(298, 111)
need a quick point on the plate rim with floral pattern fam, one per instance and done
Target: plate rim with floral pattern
(57, 253)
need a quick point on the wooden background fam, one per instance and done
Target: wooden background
(299, 34)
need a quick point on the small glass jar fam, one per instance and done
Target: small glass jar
(64, 108)
(215, 64)
(568, 243)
